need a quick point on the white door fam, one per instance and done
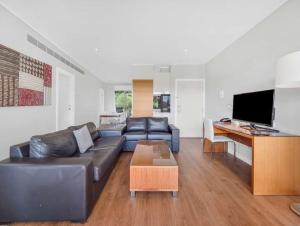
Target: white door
(65, 100)
(189, 107)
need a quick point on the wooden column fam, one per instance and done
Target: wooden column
(142, 98)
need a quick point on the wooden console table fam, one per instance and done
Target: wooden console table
(275, 159)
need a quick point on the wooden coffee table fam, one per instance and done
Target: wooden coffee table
(153, 168)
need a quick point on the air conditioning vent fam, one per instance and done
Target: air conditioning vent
(51, 52)
(163, 68)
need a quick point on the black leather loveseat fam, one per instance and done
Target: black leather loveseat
(47, 179)
(150, 128)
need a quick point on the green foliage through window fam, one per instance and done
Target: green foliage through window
(156, 102)
(123, 101)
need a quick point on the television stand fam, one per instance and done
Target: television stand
(252, 126)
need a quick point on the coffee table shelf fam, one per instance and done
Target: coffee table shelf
(153, 168)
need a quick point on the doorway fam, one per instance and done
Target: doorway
(189, 106)
(65, 99)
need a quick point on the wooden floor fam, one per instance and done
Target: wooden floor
(211, 192)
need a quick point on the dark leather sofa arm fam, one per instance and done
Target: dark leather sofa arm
(46, 189)
(112, 132)
(19, 150)
(175, 137)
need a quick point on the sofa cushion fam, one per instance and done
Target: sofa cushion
(159, 136)
(135, 135)
(58, 144)
(83, 138)
(157, 124)
(106, 142)
(136, 124)
(102, 160)
(91, 127)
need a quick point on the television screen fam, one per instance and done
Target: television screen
(256, 107)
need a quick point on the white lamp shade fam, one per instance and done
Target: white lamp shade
(288, 71)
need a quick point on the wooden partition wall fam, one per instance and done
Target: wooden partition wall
(142, 98)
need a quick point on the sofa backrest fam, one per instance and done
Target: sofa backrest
(150, 124)
(58, 144)
(157, 124)
(136, 124)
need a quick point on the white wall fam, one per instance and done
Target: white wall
(162, 82)
(165, 82)
(110, 103)
(249, 65)
(18, 124)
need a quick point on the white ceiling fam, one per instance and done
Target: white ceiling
(141, 31)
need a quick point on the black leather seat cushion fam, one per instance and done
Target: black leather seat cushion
(136, 124)
(58, 144)
(106, 142)
(158, 125)
(91, 127)
(102, 160)
(135, 135)
(159, 136)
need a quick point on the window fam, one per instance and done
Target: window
(156, 102)
(162, 102)
(165, 101)
(123, 101)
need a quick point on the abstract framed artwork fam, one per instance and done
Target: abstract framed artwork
(24, 81)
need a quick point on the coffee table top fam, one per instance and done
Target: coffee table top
(152, 153)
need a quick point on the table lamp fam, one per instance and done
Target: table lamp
(288, 76)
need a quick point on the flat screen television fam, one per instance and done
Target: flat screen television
(255, 107)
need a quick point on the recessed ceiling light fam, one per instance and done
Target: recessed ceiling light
(97, 51)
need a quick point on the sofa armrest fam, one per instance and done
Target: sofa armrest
(46, 189)
(124, 129)
(19, 150)
(112, 132)
(175, 137)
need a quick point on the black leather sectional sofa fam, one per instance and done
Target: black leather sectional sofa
(48, 179)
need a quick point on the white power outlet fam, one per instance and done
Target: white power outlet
(221, 94)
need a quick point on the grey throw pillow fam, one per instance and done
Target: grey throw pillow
(83, 138)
